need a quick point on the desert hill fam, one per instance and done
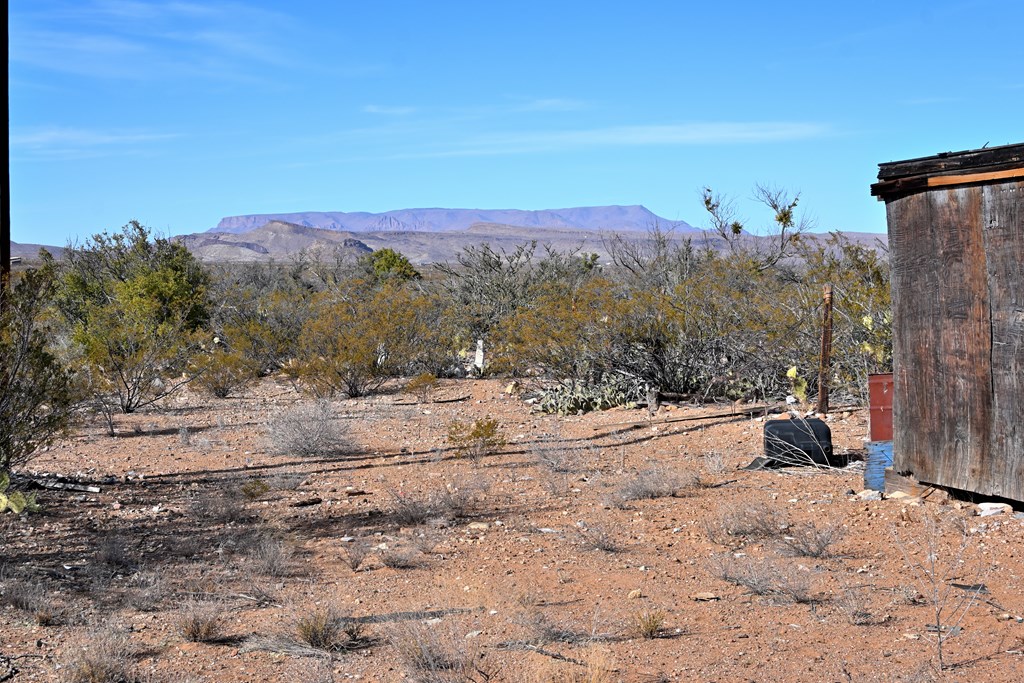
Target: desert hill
(278, 240)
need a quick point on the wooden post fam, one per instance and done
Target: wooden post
(5, 177)
(826, 350)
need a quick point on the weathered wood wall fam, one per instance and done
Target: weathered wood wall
(958, 302)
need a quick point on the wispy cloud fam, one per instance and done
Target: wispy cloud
(125, 39)
(552, 104)
(389, 110)
(78, 143)
(421, 140)
(929, 101)
(696, 133)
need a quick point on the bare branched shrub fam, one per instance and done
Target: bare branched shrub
(652, 483)
(310, 671)
(113, 554)
(199, 622)
(453, 501)
(149, 588)
(809, 540)
(219, 506)
(409, 510)
(308, 430)
(426, 541)
(597, 666)
(433, 653)
(949, 578)
(355, 553)
(598, 538)
(400, 558)
(103, 657)
(646, 623)
(458, 496)
(735, 524)
(270, 556)
(714, 463)
(541, 629)
(31, 597)
(856, 607)
(558, 457)
(764, 577)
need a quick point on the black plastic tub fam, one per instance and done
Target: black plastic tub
(799, 442)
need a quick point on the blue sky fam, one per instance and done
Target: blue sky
(179, 113)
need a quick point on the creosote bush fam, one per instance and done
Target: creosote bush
(136, 307)
(222, 372)
(480, 438)
(254, 489)
(421, 386)
(37, 392)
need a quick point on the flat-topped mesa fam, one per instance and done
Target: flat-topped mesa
(589, 218)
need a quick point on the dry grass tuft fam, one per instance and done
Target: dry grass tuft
(541, 629)
(199, 622)
(329, 630)
(646, 624)
(112, 554)
(219, 506)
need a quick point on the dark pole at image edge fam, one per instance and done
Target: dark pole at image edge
(5, 189)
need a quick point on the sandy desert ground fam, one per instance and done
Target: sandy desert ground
(584, 549)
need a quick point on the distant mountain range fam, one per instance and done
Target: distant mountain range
(586, 218)
(427, 236)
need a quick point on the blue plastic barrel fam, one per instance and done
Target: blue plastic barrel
(879, 457)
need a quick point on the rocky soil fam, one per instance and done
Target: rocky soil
(614, 546)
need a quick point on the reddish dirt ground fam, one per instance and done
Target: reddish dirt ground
(530, 573)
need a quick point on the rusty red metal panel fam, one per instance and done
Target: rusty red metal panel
(880, 406)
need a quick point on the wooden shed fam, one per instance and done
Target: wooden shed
(956, 241)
